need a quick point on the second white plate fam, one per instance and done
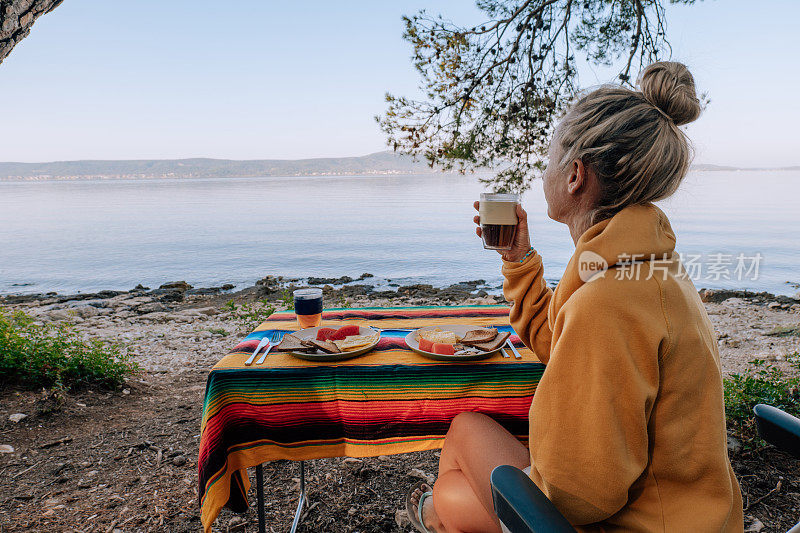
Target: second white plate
(460, 330)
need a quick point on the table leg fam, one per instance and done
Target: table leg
(262, 525)
(302, 501)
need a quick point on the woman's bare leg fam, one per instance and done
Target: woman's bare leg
(462, 495)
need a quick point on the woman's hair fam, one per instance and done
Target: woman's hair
(631, 139)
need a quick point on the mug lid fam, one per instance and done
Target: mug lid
(499, 197)
(307, 293)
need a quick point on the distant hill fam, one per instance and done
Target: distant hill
(722, 167)
(379, 163)
(712, 167)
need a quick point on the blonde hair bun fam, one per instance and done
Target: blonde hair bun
(669, 86)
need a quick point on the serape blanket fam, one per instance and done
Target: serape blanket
(390, 400)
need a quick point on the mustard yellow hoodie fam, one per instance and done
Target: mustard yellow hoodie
(627, 426)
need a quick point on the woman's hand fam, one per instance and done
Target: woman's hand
(522, 238)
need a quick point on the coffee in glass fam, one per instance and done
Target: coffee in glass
(498, 214)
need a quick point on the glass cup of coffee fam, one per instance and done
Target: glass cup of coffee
(498, 214)
(308, 307)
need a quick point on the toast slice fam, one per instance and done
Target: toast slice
(478, 336)
(325, 346)
(495, 343)
(290, 343)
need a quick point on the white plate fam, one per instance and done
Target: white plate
(311, 333)
(460, 330)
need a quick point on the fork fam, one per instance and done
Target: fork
(276, 338)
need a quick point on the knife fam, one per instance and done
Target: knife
(514, 350)
(261, 344)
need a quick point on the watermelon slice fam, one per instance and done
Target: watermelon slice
(324, 334)
(425, 345)
(344, 332)
(443, 349)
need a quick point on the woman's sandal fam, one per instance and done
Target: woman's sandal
(416, 516)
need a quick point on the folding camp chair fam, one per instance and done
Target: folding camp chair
(523, 508)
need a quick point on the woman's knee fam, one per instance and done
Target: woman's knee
(466, 422)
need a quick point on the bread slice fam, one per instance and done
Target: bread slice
(325, 346)
(478, 336)
(494, 344)
(290, 343)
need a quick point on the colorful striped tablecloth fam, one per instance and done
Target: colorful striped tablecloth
(388, 401)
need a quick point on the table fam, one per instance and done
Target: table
(388, 401)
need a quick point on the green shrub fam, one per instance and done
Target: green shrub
(249, 316)
(33, 355)
(287, 296)
(761, 382)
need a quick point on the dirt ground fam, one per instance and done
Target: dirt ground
(126, 460)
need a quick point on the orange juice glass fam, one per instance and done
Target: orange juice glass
(308, 307)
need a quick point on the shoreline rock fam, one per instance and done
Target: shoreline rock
(313, 280)
(720, 295)
(168, 292)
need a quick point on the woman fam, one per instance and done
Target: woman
(627, 426)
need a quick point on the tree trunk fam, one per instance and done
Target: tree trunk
(16, 19)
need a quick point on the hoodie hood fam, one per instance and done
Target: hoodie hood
(638, 231)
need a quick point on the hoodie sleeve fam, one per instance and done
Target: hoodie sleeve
(525, 287)
(590, 413)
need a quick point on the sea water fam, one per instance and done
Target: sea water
(73, 236)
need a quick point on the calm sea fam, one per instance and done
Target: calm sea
(740, 230)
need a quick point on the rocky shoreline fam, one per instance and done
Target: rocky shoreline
(178, 295)
(344, 291)
(125, 460)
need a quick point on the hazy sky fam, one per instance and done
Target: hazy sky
(106, 79)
